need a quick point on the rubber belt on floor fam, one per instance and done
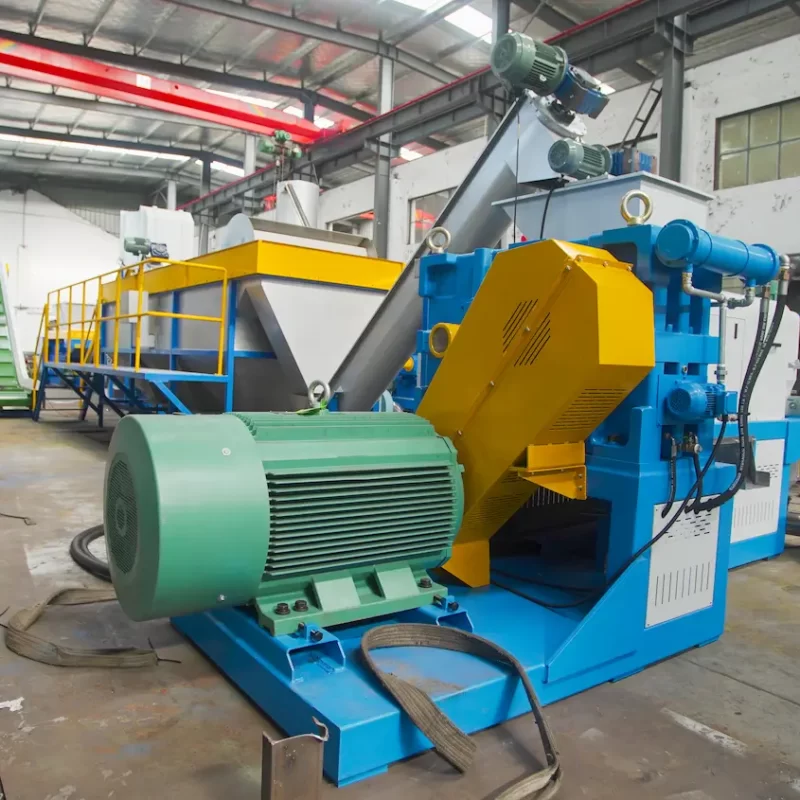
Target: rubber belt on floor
(20, 640)
(449, 740)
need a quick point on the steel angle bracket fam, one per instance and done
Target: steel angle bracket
(291, 768)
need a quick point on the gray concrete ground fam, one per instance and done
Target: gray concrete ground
(718, 723)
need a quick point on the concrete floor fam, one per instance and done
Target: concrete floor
(718, 723)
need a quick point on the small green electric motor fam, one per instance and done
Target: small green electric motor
(523, 63)
(324, 518)
(579, 160)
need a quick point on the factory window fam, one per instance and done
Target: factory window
(758, 146)
(423, 212)
(359, 224)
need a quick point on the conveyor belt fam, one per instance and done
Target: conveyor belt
(388, 340)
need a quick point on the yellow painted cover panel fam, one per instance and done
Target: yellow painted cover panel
(556, 337)
(269, 258)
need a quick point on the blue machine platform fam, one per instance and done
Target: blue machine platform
(101, 385)
(564, 651)
(144, 373)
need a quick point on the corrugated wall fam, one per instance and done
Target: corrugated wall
(105, 218)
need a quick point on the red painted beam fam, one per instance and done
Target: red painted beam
(86, 75)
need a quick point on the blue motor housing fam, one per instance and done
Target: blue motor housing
(580, 92)
(690, 401)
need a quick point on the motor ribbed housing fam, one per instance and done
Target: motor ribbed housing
(579, 160)
(210, 511)
(524, 63)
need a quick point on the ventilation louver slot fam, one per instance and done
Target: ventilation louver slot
(326, 521)
(515, 320)
(590, 408)
(539, 340)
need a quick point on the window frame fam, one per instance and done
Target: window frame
(746, 150)
(412, 207)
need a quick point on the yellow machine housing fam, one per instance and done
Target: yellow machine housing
(556, 337)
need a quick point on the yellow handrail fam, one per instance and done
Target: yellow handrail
(88, 342)
(37, 361)
(90, 329)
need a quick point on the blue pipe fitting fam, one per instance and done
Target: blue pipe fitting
(683, 245)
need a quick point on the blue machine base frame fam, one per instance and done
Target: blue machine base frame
(564, 652)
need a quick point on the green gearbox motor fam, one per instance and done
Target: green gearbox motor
(523, 63)
(579, 160)
(324, 518)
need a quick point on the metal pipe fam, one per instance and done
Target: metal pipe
(172, 195)
(722, 370)
(746, 300)
(784, 275)
(722, 302)
(688, 288)
(298, 206)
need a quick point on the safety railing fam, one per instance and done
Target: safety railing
(108, 288)
(38, 354)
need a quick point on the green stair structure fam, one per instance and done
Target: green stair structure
(15, 385)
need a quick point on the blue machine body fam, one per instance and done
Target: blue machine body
(625, 163)
(657, 607)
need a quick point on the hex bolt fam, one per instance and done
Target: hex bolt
(282, 609)
(425, 583)
(315, 636)
(300, 605)
(452, 606)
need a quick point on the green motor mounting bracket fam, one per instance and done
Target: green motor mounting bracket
(328, 518)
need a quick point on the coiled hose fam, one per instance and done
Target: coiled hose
(84, 558)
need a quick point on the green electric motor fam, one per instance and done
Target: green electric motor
(523, 63)
(579, 160)
(324, 518)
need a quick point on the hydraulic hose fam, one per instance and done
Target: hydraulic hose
(699, 475)
(761, 348)
(673, 478)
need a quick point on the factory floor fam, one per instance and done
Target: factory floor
(717, 723)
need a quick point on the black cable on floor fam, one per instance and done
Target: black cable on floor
(84, 558)
(26, 520)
